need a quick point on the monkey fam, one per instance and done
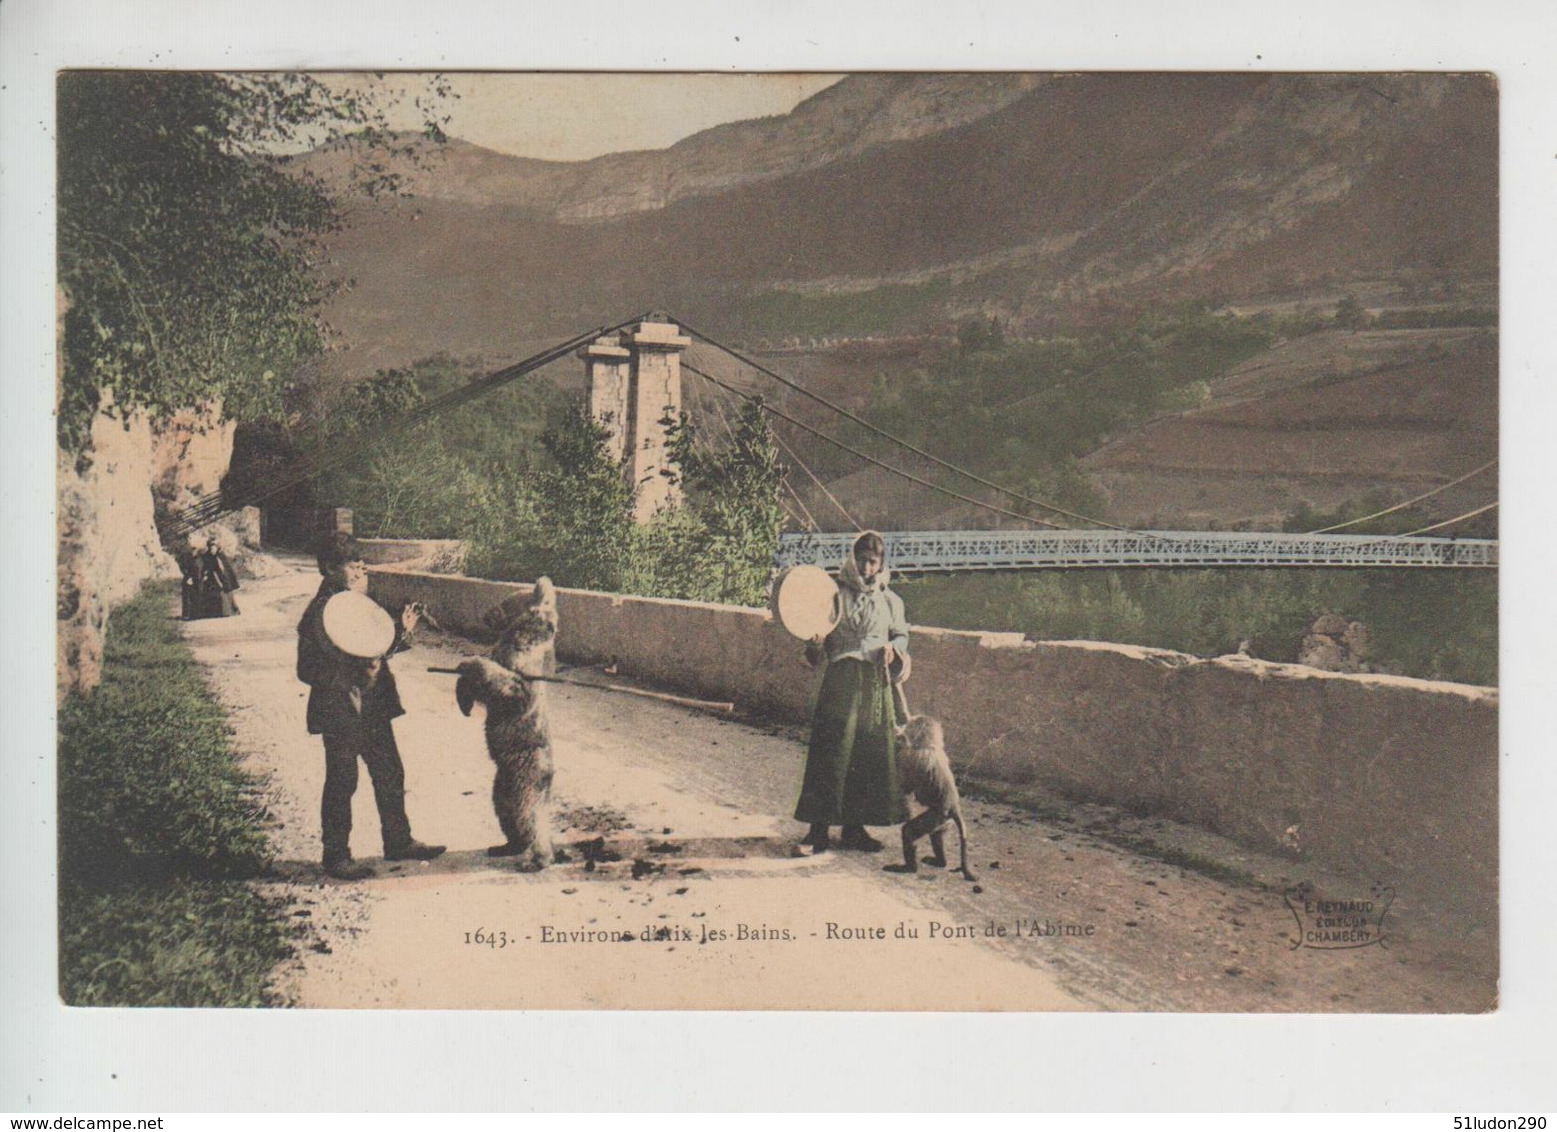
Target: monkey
(517, 733)
(925, 773)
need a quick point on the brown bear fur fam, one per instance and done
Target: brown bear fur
(517, 731)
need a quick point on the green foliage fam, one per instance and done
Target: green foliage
(787, 314)
(415, 487)
(147, 782)
(186, 249)
(500, 531)
(410, 483)
(440, 478)
(1439, 625)
(1025, 407)
(732, 509)
(1350, 314)
(570, 519)
(188, 943)
(584, 508)
(369, 406)
(155, 822)
(502, 429)
(573, 518)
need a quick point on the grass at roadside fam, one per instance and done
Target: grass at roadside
(184, 943)
(158, 828)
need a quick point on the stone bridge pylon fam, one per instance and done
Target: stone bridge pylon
(634, 380)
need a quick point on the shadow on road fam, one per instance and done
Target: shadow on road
(625, 856)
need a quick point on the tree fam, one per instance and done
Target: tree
(186, 247)
(974, 334)
(412, 483)
(1350, 314)
(573, 520)
(583, 509)
(732, 493)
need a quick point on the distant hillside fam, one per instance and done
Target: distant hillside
(854, 115)
(1334, 417)
(889, 207)
(1042, 199)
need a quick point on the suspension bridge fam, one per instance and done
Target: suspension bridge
(948, 551)
(634, 369)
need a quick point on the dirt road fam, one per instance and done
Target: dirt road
(681, 890)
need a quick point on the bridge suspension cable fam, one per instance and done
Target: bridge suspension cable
(713, 402)
(783, 416)
(822, 487)
(1450, 522)
(790, 383)
(206, 509)
(793, 455)
(1409, 502)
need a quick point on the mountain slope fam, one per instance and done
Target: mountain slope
(1081, 194)
(854, 115)
(1412, 412)
(893, 206)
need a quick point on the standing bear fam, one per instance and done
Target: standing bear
(518, 737)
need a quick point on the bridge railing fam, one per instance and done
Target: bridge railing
(1038, 550)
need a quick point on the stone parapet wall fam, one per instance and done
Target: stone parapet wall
(1390, 779)
(426, 555)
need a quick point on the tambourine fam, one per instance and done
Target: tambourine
(806, 601)
(357, 625)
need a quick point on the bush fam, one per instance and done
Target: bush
(1350, 314)
(1432, 624)
(573, 520)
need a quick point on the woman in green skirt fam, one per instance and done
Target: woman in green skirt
(851, 777)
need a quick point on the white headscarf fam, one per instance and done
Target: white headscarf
(849, 573)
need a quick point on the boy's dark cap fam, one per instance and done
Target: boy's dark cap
(336, 550)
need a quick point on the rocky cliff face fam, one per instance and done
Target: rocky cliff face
(855, 115)
(1046, 200)
(108, 502)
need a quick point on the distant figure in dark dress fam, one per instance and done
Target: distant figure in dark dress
(351, 704)
(851, 776)
(209, 581)
(189, 593)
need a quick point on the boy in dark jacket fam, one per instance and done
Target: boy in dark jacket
(351, 704)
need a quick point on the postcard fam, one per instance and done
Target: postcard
(915, 541)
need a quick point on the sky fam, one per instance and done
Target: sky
(561, 116)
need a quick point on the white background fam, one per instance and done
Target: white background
(59, 1060)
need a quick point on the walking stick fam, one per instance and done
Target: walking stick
(723, 708)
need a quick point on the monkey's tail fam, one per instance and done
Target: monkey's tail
(962, 843)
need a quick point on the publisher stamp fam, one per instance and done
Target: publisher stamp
(1328, 923)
